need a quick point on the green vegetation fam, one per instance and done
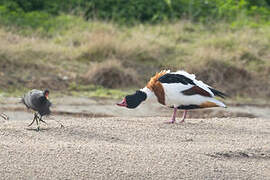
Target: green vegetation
(36, 12)
(93, 48)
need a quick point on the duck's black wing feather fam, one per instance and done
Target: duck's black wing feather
(218, 93)
(175, 78)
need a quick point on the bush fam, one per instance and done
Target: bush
(41, 22)
(159, 10)
(111, 74)
(132, 11)
(235, 81)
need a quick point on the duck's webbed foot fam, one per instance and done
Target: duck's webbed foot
(173, 116)
(184, 117)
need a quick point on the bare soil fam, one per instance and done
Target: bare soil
(135, 144)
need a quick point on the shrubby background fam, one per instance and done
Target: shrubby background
(96, 47)
(132, 11)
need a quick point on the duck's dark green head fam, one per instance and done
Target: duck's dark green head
(133, 100)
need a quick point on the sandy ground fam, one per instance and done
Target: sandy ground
(127, 147)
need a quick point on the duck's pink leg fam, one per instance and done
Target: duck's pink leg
(184, 116)
(174, 114)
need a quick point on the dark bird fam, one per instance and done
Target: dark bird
(178, 90)
(38, 101)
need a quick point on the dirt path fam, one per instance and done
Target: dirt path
(135, 148)
(126, 147)
(107, 108)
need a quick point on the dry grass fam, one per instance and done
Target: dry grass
(230, 59)
(234, 80)
(111, 74)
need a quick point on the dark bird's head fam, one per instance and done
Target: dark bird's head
(133, 100)
(46, 93)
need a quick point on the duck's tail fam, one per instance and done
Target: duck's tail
(212, 103)
(218, 93)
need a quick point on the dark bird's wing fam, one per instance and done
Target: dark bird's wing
(44, 108)
(30, 97)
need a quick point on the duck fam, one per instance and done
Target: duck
(178, 90)
(37, 100)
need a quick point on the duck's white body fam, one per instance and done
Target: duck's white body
(174, 97)
(178, 90)
(181, 90)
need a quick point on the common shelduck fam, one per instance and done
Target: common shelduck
(178, 90)
(37, 100)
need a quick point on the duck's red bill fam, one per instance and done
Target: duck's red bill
(123, 103)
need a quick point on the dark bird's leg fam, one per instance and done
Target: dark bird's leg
(184, 116)
(4, 116)
(61, 125)
(37, 120)
(35, 117)
(40, 119)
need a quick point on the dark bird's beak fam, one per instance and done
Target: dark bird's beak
(123, 103)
